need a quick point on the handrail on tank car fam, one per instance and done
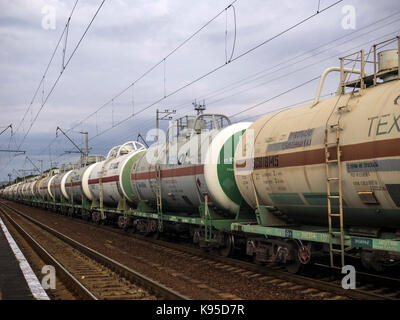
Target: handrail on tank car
(112, 151)
(193, 130)
(129, 146)
(136, 146)
(323, 77)
(214, 120)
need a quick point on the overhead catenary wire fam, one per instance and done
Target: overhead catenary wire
(285, 65)
(192, 82)
(59, 76)
(131, 85)
(155, 65)
(306, 54)
(126, 119)
(281, 94)
(206, 74)
(274, 97)
(41, 82)
(62, 72)
(314, 49)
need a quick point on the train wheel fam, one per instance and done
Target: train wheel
(124, 222)
(301, 257)
(96, 217)
(229, 243)
(70, 212)
(86, 215)
(156, 235)
(370, 260)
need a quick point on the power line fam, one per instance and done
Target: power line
(295, 71)
(62, 72)
(178, 107)
(238, 82)
(269, 99)
(204, 75)
(59, 76)
(296, 104)
(274, 97)
(147, 72)
(48, 66)
(155, 65)
(126, 119)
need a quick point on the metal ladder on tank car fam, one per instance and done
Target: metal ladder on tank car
(101, 191)
(334, 163)
(159, 198)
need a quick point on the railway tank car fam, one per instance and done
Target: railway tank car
(184, 178)
(44, 190)
(289, 158)
(318, 180)
(72, 181)
(334, 162)
(107, 183)
(193, 165)
(67, 185)
(112, 175)
(58, 183)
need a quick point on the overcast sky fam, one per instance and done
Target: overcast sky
(128, 37)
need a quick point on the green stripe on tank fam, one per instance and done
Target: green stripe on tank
(317, 199)
(314, 199)
(226, 175)
(286, 198)
(126, 178)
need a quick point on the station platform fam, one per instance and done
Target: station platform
(17, 280)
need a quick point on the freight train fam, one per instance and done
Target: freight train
(322, 179)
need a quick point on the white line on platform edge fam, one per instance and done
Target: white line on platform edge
(31, 279)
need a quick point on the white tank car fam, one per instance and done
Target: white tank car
(31, 188)
(13, 190)
(11, 194)
(45, 191)
(26, 191)
(19, 189)
(56, 182)
(72, 182)
(189, 168)
(288, 156)
(112, 176)
(5, 192)
(36, 187)
(23, 189)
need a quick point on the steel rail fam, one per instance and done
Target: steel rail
(330, 286)
(67, 278)
(139, 279)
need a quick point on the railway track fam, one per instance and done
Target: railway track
(321, 282)
(85, 272)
